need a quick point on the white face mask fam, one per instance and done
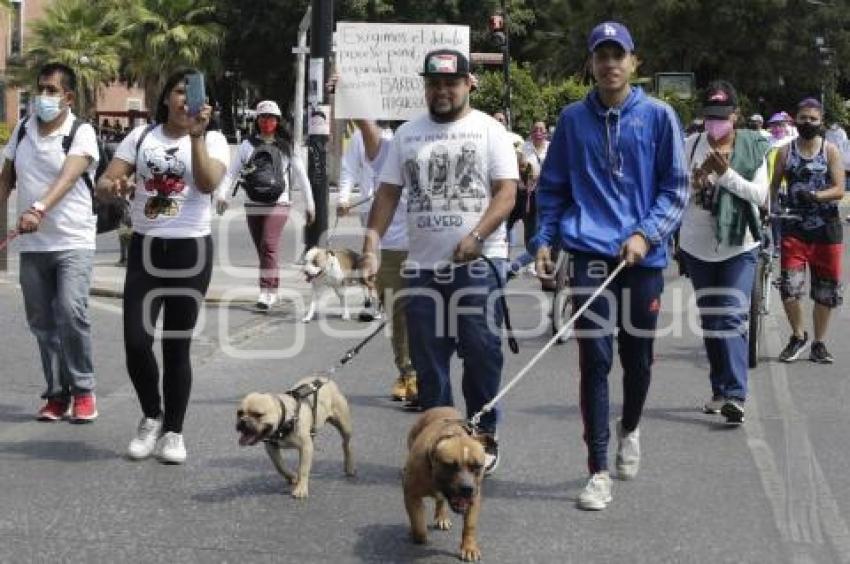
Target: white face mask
(48, 108)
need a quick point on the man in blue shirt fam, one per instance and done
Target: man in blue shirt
(612, 188)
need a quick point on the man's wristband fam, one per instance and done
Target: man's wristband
(38, 208)
(477, 236)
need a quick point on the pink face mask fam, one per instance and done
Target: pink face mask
(778, 131)
(717, 128)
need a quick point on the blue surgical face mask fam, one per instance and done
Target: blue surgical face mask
(47, 108)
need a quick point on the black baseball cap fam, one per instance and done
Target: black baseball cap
(445, 62)
(719, 100)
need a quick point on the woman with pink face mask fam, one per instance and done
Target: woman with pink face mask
(268, 170)
(719, 239)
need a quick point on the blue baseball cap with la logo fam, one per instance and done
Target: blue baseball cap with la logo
(611, 31)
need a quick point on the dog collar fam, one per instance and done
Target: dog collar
(317, 276)
(301, 393)
(286, 426)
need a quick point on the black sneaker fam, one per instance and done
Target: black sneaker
(733, 411)
(795, 347)
(820, 354)
(491, 455)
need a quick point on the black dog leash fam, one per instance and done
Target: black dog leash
(355, 350)
(512, 342)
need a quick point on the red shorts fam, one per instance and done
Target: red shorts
(824, 259)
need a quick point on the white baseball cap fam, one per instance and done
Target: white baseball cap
(268, 107)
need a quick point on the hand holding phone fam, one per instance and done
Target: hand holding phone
(196, 95)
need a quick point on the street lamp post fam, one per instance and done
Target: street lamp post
(824, 52)
(321, 34)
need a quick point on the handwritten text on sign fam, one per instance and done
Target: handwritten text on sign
(379, 66)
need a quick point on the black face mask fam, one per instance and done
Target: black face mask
(809, 130)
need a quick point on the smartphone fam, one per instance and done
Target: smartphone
(196, 95)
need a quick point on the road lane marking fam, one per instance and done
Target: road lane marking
(805, 511)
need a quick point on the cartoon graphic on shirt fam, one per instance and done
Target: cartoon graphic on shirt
(418, 200)
(165, 183)
(438, 171)
(468, 180)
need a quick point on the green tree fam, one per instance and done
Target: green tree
(73, 32)
(163, 35)
(530, 100)
(766, 48)
(261, 33)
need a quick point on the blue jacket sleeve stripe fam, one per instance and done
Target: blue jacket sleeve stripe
(672, 176)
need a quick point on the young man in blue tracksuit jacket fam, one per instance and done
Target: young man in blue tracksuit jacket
(613, 187)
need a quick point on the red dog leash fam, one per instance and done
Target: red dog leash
(8, 239)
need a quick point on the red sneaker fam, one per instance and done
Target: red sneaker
(54, 410)
(85, 409)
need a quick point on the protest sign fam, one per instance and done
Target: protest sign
(379, 66)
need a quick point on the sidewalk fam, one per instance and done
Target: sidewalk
(234, 277)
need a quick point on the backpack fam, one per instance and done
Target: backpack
(109, 214)
(263, 177)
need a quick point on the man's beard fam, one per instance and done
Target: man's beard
(450, 114)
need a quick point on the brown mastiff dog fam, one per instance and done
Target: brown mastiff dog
(447, 463)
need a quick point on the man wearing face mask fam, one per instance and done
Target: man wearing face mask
(47, 161)
(813, 171)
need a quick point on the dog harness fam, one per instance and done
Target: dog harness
(300, 394)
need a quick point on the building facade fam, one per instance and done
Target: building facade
(114, 102)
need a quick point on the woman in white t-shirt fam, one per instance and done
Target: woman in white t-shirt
(177, 165)
(268, 200)
(728, 178)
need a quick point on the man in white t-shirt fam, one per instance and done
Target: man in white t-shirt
(52, 163)
(458, 170)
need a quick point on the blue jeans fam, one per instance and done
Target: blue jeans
(450, 311)
(630, 304)
(724, 317)
(56, 285)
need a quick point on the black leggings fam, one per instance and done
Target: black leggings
(155, 283)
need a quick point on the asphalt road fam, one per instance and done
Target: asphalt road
(775, 490)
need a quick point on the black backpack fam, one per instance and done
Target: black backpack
(110, 213)
(263, 177)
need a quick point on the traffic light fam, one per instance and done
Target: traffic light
(496, 23)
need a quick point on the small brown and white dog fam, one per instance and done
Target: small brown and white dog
(334, 269)
(447, 463)
(284, 421)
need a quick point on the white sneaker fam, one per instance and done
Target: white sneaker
(142, 445)
(170, 448)
(271, 298)
(596, 495)
(263, 301)
(628, 452)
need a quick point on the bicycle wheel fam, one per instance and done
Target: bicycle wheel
(562, 304)
(761, 285)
